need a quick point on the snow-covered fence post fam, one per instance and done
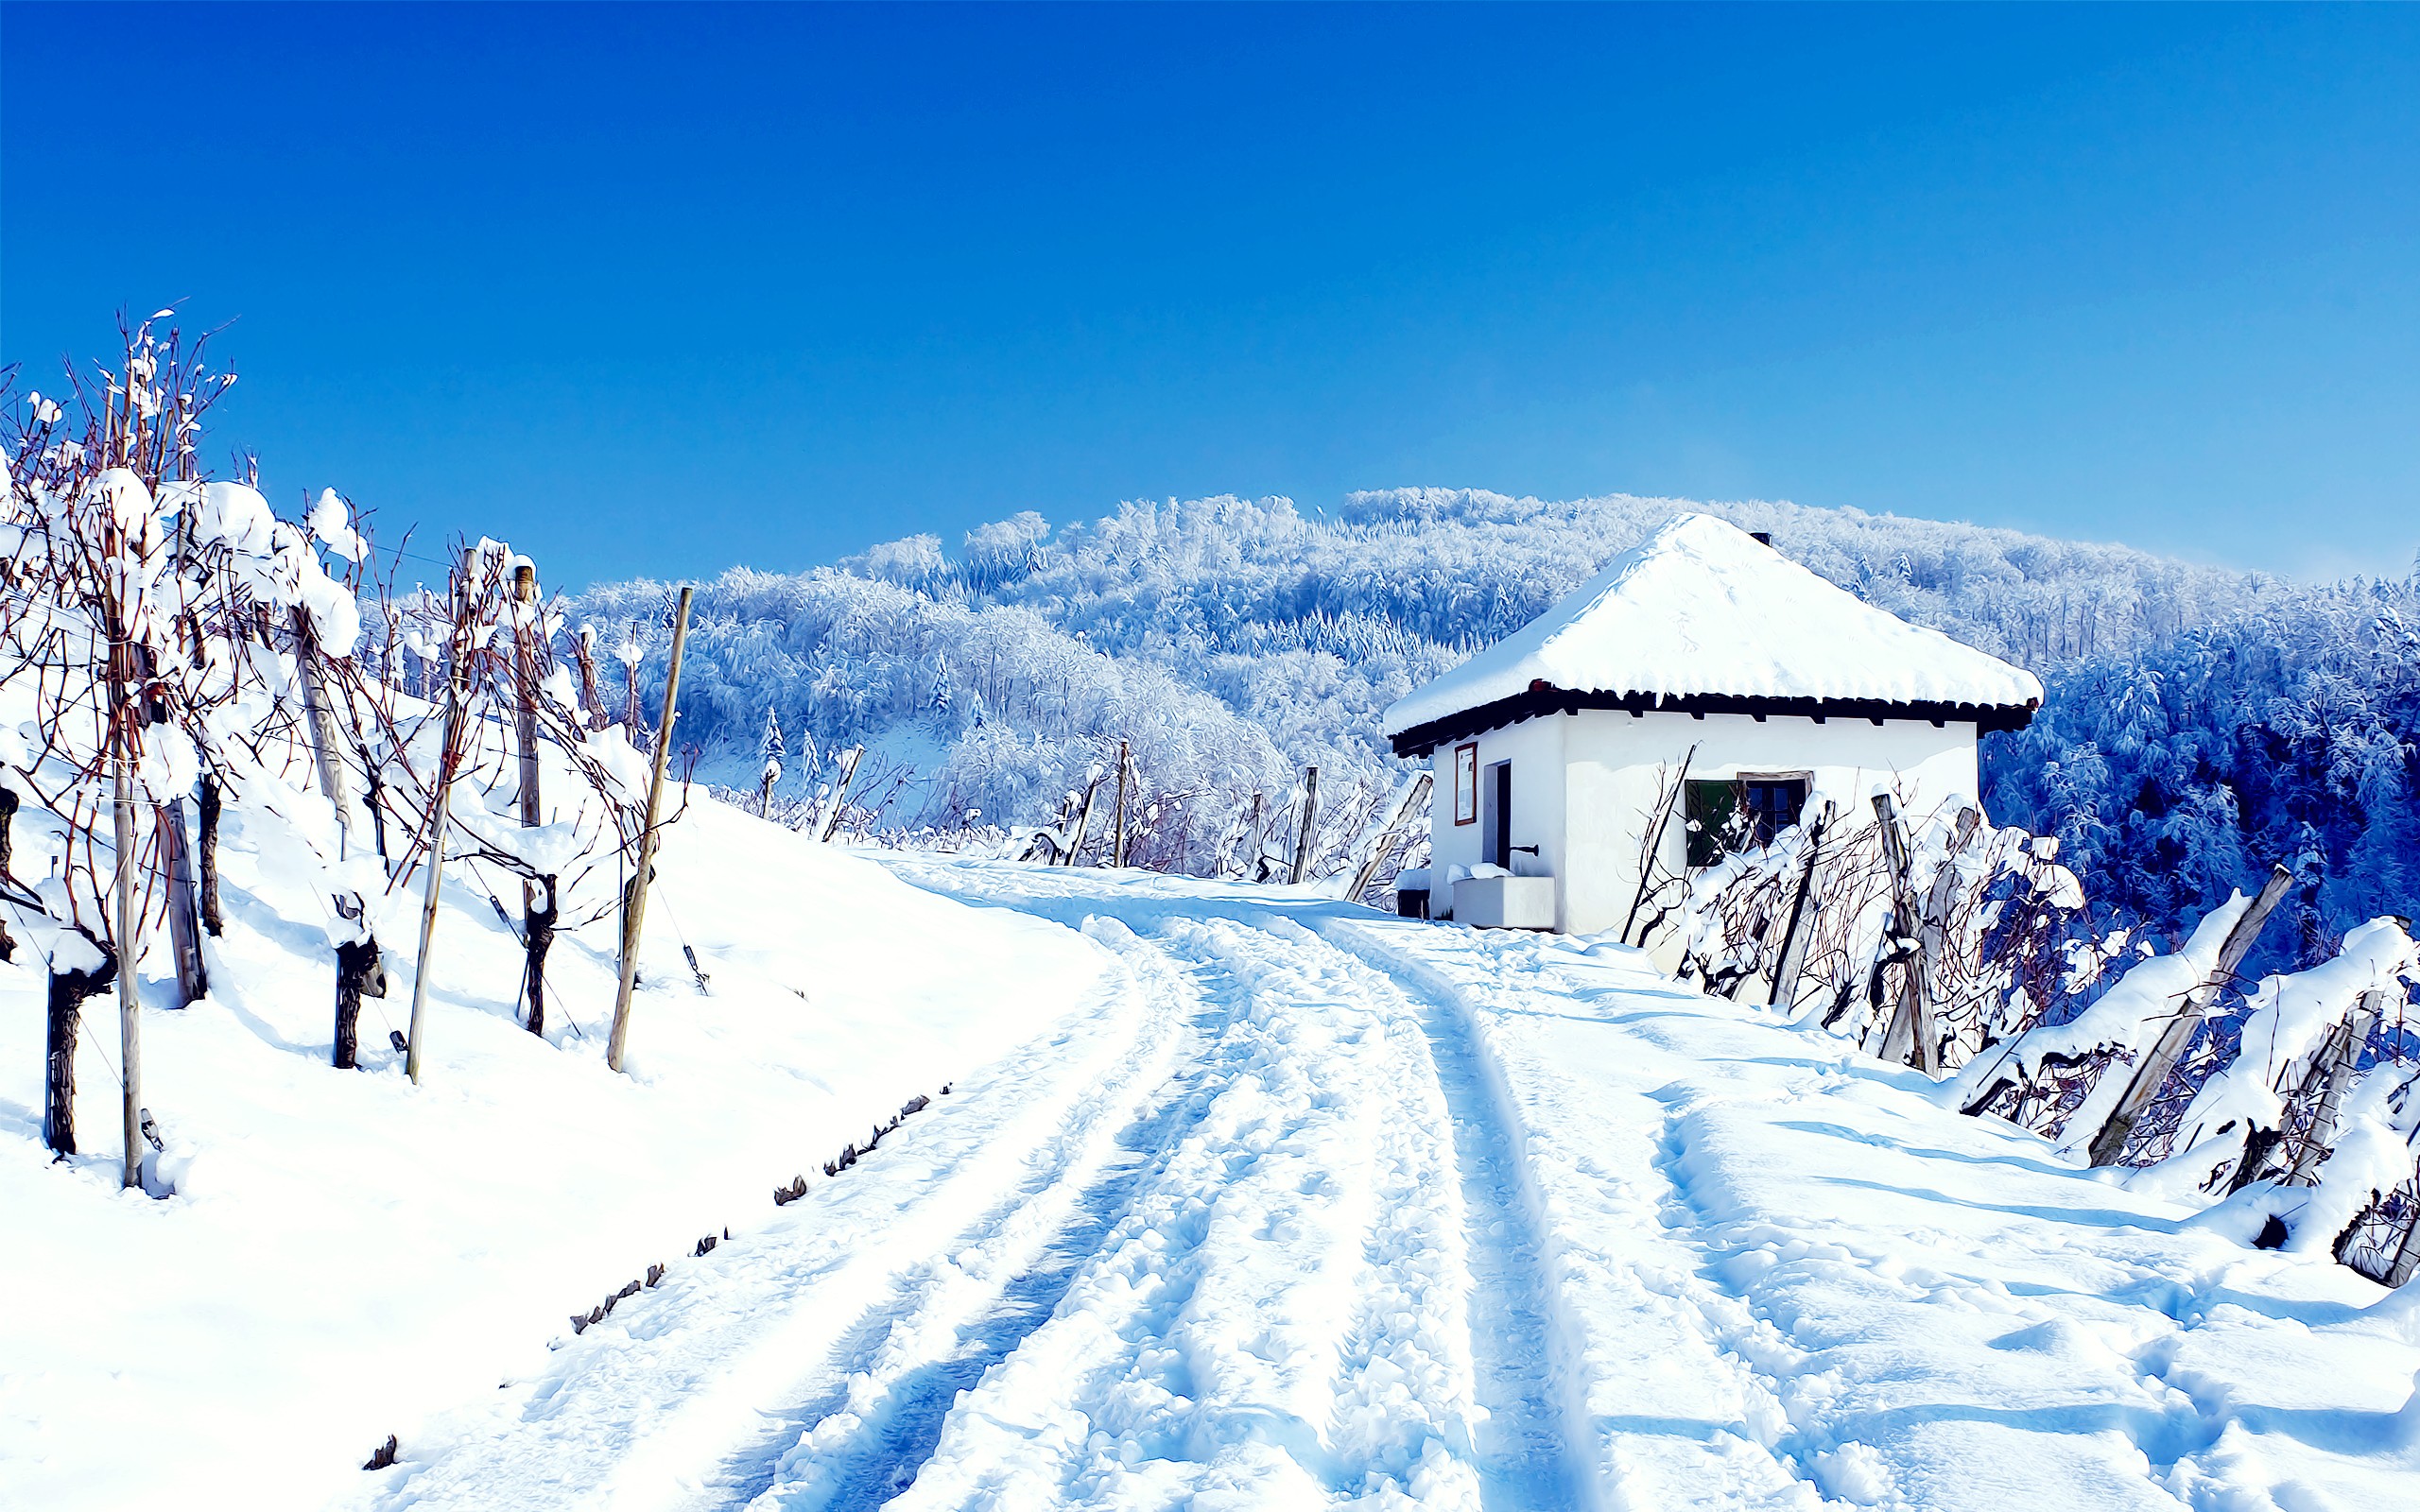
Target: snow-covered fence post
(634, 912)
(2109, 1141)
(1308, 827)
(538, 903)
(1415, 796)
(206, 853)
(1084, 818)
(124, 712)
(456, 691)
(849, 759)
(1909, 1040)
(1117, 841)
(322, 721)
(1793, 949)
(184, 917)
(2337, 1064)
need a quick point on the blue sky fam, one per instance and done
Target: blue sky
(664, 290)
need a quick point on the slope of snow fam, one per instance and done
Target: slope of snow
(347, 1252)
(1699, 607)
(1308, 1208)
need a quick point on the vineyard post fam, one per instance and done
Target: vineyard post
(454, 694)
(536, 923)
(1118, 844)
(1309, 827)
(840, 791)
(634, 901)
(321, 722)
(2109, 1142)
(1412, 799)
(1793, 943)
(2342, 1054)
(1083, 819)
(184, 910)
(1908, 1039)
(130, 997)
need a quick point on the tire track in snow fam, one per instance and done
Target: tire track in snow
(1523, 1443)
(1706, 1439)
(860, 1442)
(653, 1409)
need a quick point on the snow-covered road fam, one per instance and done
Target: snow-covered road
(1303, 1207)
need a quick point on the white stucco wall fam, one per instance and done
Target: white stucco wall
(1590, 824)
(1535, 750)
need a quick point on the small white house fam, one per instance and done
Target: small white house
(1703, 647)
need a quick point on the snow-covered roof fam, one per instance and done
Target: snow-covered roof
(1700, 608)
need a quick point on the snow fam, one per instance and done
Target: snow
(1300, 1205)
(1700, 606)
(347, 1253)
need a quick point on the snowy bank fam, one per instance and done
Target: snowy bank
(347, 1253)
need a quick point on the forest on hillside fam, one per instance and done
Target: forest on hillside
(2202, 723)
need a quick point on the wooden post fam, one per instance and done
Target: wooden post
(634, 910)
(849, 759)
(207, 853)
(129, 952)
(1083, 821)
(537, 898)
(1911, 1037)
(2343, 1052)
(1310, 825)
(322, 721)
(1379, 853)
(1117, 843)
(1655, 843)
(457, 676)
(1793, 943)
(2149, 1074)
(184, 913)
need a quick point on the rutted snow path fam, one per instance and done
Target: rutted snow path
(1311, 1209)
(1213, 1242)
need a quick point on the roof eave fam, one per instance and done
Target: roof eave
(1543, 697)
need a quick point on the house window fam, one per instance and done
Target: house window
(1743, 814)
(1466, 784)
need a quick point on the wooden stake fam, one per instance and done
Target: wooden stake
(840, 795)
(454, 691)
(634, 911)
(322, 720)
(1083, 820)
(1794, 944)
(130, 953)
(184, 913)
(2342, 1052)
(537, 898)
(1379, 853)
(1910, 1039)
(1118, 844)
(1309, 828)
(2151, 1071)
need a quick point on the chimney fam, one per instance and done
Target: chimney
(1762, 537)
